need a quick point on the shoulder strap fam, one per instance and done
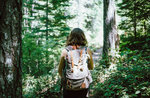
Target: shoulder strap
(79, 58)
(67, 49)
(86, 49)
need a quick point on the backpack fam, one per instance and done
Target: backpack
(76, 75)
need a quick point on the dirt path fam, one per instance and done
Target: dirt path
(97, 55)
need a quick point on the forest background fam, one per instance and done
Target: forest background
(46, 25)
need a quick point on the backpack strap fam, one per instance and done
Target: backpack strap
(86, 50)
(72, 59)
(67, 49)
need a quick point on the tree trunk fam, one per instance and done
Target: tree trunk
(134, 19)
(46, 32)
(10, 48)
(110, 30)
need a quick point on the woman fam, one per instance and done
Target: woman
(76, 50)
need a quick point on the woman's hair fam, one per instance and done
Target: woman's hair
(76, 37)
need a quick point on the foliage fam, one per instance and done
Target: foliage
(135, 16)
(44, 34)
(131, 78)
(45, 31)
(141, 43)
(43, 86)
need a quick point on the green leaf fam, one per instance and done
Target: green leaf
(137, 92)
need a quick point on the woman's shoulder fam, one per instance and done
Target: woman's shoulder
(89, 50)
(64, 52)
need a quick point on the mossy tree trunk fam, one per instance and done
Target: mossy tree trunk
(110, 30)
(10, 48)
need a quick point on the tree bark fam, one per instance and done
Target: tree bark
(134, 19)
(10, 48)
(46, 32)
(110, 29)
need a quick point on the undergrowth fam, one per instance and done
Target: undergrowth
(131, 77)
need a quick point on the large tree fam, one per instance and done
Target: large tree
(10, 48)
(110, 29)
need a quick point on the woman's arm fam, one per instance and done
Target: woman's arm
(62, 62)
(61, 66)
(90, 60)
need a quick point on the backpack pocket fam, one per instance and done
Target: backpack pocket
(76, 84)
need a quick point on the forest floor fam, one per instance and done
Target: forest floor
(97, 55)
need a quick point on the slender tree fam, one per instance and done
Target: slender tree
(10, 48)
(46, 32)
(110, 31)
(136, 16)
(134, 19)
(43, 32)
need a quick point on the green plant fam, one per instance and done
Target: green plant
(131, 79)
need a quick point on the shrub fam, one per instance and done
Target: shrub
(131, 79)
